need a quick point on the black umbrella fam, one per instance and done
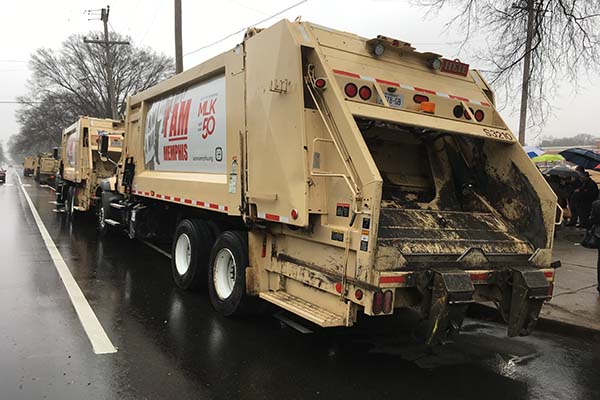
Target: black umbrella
(562, 171)
(582, 157)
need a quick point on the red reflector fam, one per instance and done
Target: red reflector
(388, 301)
(350, 89)
(549, 274)
(479, 277)
(320, 83)
(377, 303)
(338, 287)
(365, 92)
(392, 279)
(419, 98)
(479, 115)
(358, 294)
(294, 214)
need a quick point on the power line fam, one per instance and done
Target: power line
(248, 27)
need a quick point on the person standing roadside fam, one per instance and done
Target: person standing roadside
(588, 194)
(595, 227)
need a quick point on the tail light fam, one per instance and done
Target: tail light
(479, 115)
(351, 90)
(419, 98)
(388, 301)
(320, 83)
(377, 303)
(458, 111)
(467, 116)
(365, 92)
(338, 287)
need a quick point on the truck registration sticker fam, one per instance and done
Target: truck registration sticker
(187, 131)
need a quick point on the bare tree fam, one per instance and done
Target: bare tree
(564, 43)
(72, 81)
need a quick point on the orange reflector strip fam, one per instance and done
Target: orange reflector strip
(428, 107)
(392, 279)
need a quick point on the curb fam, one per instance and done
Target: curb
(486, 312)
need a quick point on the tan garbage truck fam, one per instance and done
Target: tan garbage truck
(45, 168)
(82, 168)
(333, 175)
(28, 166)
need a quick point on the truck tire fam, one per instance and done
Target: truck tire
(227, 273)
(70, 201)
(190, 253)
(103, 212)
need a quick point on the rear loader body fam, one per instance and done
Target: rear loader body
(45, 169)
(28, 166)
(357, 176)
(82, 169)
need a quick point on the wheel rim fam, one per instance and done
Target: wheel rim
(224, 273)
(183, 254)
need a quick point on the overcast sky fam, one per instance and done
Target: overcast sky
(26, 25)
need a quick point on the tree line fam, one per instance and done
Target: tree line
(71, 82)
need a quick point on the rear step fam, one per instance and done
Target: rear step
(304, 309)
(112, 222)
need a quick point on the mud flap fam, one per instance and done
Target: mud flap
(451, 293)
(524, 300)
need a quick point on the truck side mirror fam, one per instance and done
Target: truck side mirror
(103, 148)
(55, 153)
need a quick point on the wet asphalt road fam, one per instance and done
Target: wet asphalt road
(172, 345)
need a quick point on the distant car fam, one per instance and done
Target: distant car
(2, 175)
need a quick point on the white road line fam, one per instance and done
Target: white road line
(45, 186)
(161, 251)
(101, 344)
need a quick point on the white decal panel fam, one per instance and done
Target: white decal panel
(187, 131)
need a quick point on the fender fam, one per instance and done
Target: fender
(105, 185)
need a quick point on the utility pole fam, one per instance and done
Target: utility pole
(526, 71)
(108, 66)
(178, 47)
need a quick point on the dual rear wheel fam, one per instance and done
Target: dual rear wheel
(202, 256)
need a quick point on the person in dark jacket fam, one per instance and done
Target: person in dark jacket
(595, 226)
(588, 193)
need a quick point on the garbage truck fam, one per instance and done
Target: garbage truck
(82, 169)
(335, 176)
(45, 168)
(28, 166)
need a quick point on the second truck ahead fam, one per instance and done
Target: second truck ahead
(28, 166)
(82, 169)
(330, 175)
(45, 168)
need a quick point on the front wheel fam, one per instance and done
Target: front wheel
(227, 273)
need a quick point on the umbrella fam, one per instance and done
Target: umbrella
(533, 151)
(548, 158)
(582, 157)
(562, 171)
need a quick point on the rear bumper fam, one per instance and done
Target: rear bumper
(443, 295)
(478, 277)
